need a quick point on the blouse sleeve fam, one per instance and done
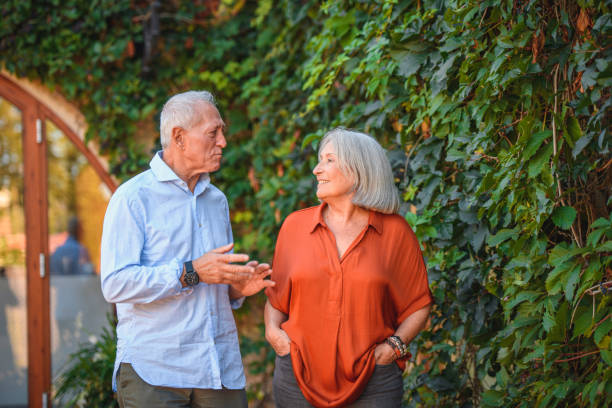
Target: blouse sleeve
(280, 294)
(409, 288)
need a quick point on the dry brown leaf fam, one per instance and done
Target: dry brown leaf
(129, 49)
(537, 43)
(583, 22)
(577, 84)
(296, 136)
(253, 180)
(425, 129)
(397, 126)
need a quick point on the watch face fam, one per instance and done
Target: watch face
(192, 278)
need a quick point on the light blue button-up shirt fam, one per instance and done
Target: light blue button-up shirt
(173, 336)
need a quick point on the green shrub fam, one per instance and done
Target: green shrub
(87, 379)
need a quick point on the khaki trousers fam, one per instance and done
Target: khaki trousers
(133, 392)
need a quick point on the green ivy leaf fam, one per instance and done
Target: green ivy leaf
(564, 217)
(561, 390)
(535, 141)
(411, 218)
(502, 236)
(605, 247)
(493, 398)
(570, 284)
(408, 62)
(539, 161)
(606, 356)
(573, 131)
(548, 322)
(601, 331)
(554, 280)
(309, 139)
(601, 223)
(560, 253)
(581, 144)
(583, 323)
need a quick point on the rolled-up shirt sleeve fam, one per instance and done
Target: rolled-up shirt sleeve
(123, 278)
(410, 291)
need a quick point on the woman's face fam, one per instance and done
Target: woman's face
(333, 183)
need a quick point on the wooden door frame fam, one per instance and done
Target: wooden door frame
(34, 115)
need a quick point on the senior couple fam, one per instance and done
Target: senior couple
(347, 293)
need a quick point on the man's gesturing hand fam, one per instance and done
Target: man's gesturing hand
(255, 283)
(216, 266)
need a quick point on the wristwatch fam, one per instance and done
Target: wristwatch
(191, 277)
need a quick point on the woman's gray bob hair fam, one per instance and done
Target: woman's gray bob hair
(181, 111)
(363, 159)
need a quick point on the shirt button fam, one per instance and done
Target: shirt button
(200, 225)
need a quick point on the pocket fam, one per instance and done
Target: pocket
(123, 376)
(384, 367)
(388, 370)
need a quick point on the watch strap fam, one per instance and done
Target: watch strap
(191, 277)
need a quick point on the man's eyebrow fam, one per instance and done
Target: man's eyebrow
(216, 127)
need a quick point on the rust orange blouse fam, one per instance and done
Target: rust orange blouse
(340, 309)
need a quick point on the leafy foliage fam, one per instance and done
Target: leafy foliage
(86, 381)
(496, 117)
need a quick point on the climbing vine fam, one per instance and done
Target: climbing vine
(496, 116)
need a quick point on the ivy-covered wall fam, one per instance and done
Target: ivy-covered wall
(496, 115)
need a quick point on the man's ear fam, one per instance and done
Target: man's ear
(177, 136)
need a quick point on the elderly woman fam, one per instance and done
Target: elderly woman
(351, 285)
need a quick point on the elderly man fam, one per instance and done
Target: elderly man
(166, 263)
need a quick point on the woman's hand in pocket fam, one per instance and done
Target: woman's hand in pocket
(384, 354)
(279, 340)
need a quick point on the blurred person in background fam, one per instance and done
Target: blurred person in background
(71, 258)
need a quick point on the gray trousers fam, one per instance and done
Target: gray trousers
(384, 390)
(133, 392)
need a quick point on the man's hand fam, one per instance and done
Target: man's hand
(255, 283)
(384, 354)
(216, 266)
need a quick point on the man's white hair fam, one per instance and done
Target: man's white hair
(363, 160)
(181, 111)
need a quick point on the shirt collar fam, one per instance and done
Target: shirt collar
(374, 219)
(163, 172)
